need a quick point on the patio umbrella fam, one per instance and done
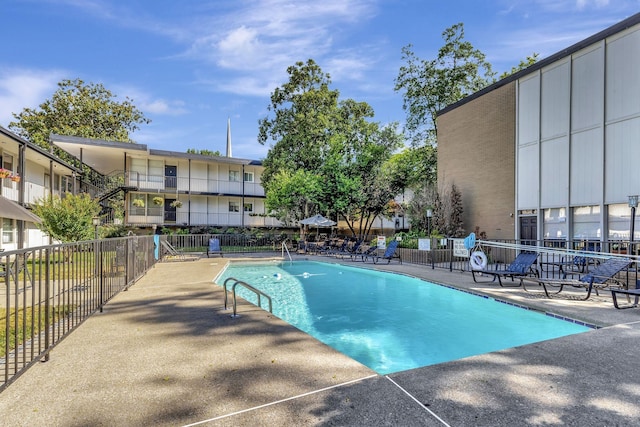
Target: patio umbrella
(318, 221)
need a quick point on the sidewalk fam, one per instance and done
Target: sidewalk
(165, 353)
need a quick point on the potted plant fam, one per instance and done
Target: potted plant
(4, 173)
(15, 178)
(138, 203)
(176, 204)
(158, 201)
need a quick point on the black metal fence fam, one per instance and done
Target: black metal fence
(229, 243)
(46, 292)
(444, 253)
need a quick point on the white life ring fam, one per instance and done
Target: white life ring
(478, 260)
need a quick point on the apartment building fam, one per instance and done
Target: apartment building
(551, 152)
(27, 173)
(173, 189)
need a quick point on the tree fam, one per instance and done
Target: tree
(448, 212)
(68, 219)
(423, 199)
(430, 85)
(79, 109)
(525, 63)
(359, 180)
(293, 195)
(334, 143)
(204, 152)
(415, 166)
(304, 110)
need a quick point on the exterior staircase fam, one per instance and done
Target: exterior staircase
(104, 187)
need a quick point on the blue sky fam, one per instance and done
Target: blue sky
(190, 65)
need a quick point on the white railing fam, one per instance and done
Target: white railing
(198, 185)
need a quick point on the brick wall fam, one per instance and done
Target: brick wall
(476, 152)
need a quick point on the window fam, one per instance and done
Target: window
(248, 207)
(234, 176)
(555, 224)
(234, 207)
(248, 177)
(586, 222)
(619, 220)
(67, 184)
(7, 162)
(7, 230)
(156, 171)
(47, 182)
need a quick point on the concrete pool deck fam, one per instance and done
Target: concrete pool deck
(165, 353)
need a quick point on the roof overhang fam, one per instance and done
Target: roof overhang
(108, 156)
(103, 156)
(10, 209)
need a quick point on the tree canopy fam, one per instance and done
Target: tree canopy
(326, 156)
(430, 85)
(525, 63)
(204, 152)
(79, 109)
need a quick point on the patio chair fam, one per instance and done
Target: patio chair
(389, 254)
(600, 277)
(214, 247)
(521, 267)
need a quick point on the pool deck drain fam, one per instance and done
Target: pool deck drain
(165, 353)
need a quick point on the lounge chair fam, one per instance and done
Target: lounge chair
(389, 254)
(600, 277)
(521, 267)
(338, 250)
(350, 251)
(363, 252)
(372, 252)
(214, 247)
(171, 252)
(628, 292)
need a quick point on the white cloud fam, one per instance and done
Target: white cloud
(24, 88)
(265, 37)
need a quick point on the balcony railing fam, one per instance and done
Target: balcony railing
(193, 185)
(150, 216)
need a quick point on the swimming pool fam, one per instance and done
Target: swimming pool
(391, 322)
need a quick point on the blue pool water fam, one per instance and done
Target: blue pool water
(390, 322)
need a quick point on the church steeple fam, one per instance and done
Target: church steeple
(229, 138)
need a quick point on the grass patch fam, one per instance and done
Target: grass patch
(29, 323)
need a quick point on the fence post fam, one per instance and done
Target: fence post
(47, 302)
(100, 275)
(450, 247)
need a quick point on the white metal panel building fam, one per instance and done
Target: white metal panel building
(578, 138)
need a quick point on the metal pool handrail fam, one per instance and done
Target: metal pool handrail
(258, 293)
(285, 248)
